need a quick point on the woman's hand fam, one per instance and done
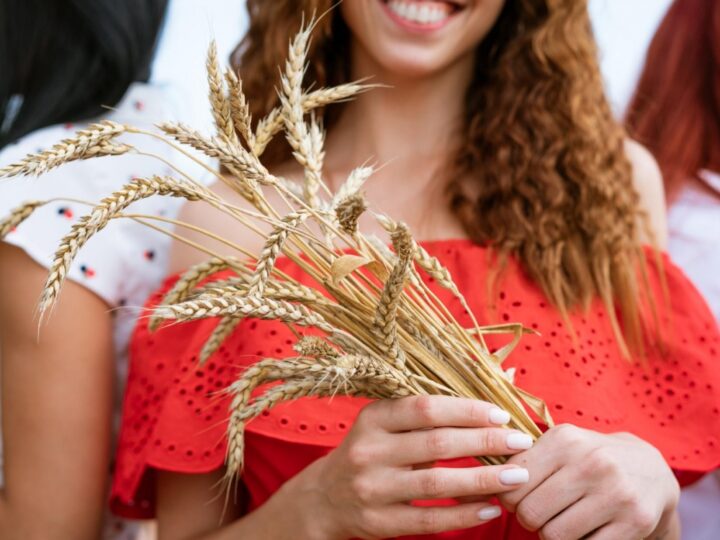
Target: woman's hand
(587, 484)
(362, 488)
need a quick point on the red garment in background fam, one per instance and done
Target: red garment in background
(175, 415)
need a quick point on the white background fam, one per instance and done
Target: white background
(623, 29)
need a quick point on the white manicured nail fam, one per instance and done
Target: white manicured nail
(519, 441)
(489, 512)
(498, 416)
(512, 477)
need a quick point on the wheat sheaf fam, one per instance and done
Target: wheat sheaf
(383, 333)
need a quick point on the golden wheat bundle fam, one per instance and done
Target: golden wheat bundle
(384, 334)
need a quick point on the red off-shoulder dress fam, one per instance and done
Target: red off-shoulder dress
(174, 415)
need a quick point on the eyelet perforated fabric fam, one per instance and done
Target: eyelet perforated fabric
(175, 413)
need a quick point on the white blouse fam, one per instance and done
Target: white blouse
(126, 261)
(694, 244)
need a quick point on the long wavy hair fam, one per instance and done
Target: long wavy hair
(675, 111)
(541, 172)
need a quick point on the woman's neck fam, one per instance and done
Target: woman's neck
(406, 130)
(411, 120)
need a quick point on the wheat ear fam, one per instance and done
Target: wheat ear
(109, 207)
(306, 142)
(348, 212)
(238, 306)
(257, 282)
(220, 333)
(272, 124)
(247, 171)
(271, 250)
(239, 109)
(17, 216)
(385, 324)
(354, 183)
(353, 374)
(182, 288)
(315, 347)
(219, 103)
(274, 289)
(95, 140)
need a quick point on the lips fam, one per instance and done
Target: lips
(423, 12)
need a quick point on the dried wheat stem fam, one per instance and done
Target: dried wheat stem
(17, 216)
(95, 140)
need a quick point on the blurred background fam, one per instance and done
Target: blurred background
(623, 29)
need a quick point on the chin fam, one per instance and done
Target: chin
(419, 37)
(412, 62)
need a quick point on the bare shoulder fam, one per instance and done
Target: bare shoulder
(202, 219)
(649, 185)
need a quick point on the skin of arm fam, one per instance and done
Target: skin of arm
(649, 186)
(57, 386)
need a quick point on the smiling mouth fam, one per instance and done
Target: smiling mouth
(422, 13)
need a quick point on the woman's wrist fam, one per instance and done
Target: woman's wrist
(298, 509)
(669, 526)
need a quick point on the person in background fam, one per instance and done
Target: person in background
(63, 63)
(675, 112)
(495, 138)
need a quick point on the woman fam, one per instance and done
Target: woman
(59, 70)
(676, 113)
(495, 138)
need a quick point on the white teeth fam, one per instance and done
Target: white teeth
(417, 13)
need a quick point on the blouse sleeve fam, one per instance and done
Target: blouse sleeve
(126, 260)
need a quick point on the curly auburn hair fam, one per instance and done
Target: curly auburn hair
(541, 172)
(675, 111)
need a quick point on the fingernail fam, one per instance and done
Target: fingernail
(519, 441)
(489, 512)
(512, 477)
(498, 416)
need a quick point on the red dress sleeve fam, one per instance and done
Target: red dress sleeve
(175, 414)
